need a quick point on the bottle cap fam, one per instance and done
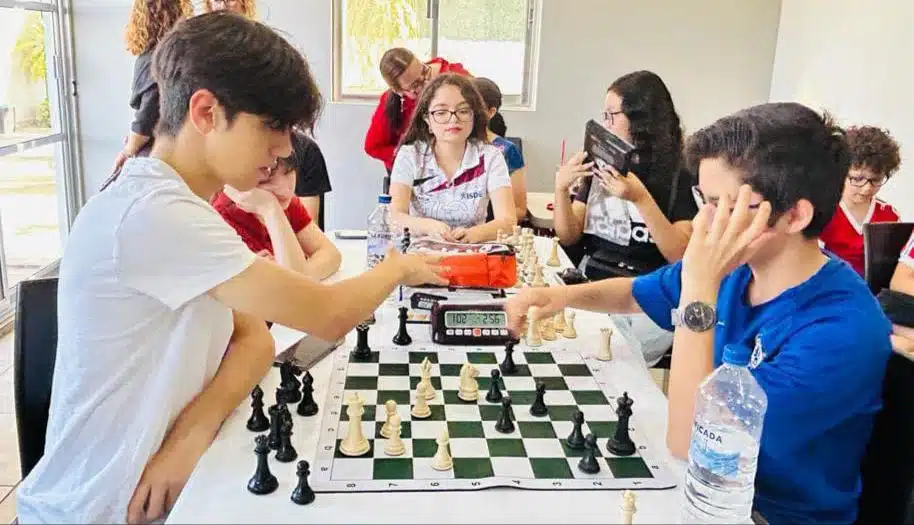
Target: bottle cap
(737, 355)
(384, 199)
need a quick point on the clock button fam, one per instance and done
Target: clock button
(477, 332)
(503, 332)
(458, 331)
(450, 331)
(485, 331)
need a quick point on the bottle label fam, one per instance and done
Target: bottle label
(711, 451)
(377, 247)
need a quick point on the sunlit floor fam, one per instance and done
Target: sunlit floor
(9, 450)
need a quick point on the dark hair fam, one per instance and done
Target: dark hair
(874, 149)
(653, 123)
(300, 146)
(785, 151)
(491, 96)
(418, 129)
(245, 64)
(393, 63)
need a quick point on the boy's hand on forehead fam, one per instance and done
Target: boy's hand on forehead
(722, 240)
(257, 201)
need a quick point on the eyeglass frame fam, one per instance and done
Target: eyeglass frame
(860, 182)
(419, 83)
(609, 116)
(431, 115)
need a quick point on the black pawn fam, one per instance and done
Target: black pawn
(507, 366)
(307, 407)
(303, 494)
(275, 425)
(362, 351)
(258, 421)
(505, 422)
(405, 241)
(538, 408)
(575, 440)
(263, 481)
(621, 443)
(589, 462)
(402, 338)
(494, 394)
(286, 452)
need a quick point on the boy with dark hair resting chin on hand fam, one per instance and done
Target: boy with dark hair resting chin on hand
(753, 275)
(161, 304)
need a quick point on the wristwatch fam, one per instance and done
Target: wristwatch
(696, 316)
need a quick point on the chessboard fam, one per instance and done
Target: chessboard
(535, 455)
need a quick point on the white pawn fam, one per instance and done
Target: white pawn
(391, 409)
(355, 443)
(395, 445)
(442, 459)
(554, 257)
(570, 332)
(628, 507)
(421, 409)
(559, 322)
(606, 351)
(533, 333)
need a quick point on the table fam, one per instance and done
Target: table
(216, 490)
(540, 215)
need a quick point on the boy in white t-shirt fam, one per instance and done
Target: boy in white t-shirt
(446, 172)
(161, 305)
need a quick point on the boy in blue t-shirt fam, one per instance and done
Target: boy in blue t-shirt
(770, 178)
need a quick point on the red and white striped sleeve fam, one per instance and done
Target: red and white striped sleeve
(907, 253)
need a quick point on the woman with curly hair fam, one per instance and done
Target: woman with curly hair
(875, 157)
(243, 7)
(148, 23)
(631, 223)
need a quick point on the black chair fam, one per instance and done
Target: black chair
(888, 467)
(517, 142)
(34, 354)
(882, 244)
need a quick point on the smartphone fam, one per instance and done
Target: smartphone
(351, 234)
(307, 352)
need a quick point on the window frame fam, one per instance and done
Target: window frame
(525, 100)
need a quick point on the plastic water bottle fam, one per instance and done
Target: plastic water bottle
(380, 231)
(723, 456)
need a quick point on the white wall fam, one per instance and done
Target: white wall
(853, 58)
(715, 55)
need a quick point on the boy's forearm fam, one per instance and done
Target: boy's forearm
(608, 296)
(323, 263)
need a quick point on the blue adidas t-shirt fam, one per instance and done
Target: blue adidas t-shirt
(819, 350)
(512, 155)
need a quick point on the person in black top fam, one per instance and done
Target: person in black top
(630, 224)
(149, 21)
(313, 180)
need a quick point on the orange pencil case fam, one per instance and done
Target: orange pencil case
(486, 265)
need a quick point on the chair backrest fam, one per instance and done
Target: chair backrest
(517, 142)
(888, 468)
(882, 244)
(34, 354)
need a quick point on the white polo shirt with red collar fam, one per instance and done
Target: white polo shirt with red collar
(461, 201)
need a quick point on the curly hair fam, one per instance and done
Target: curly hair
(248, 7)
(151, 19)
(874, 149)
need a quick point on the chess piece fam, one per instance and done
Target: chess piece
(286, 452)
(390, 407)
(421, 409)
(538, 280)
(494, 394)
(570, 332)
(402, 338)
(263, 481)
(505, 421)
(606, 352)
(302, 495)
(575, 440)
(405, 241)
(558, 323)
(469, 388)
(554, 257)
(362, 351)
(395, 446)
(515, 235)
(307, 407)
(275, 424)
(288, 383)
(442, 459)
(425, 388)
(533, 335)
(538, 408)
(621, 443)
(628, 507)
(588, 463)
(507, 366)
(258, 421)
(355, 443)
(547, 331)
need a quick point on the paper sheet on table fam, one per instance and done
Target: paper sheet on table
(285, 337)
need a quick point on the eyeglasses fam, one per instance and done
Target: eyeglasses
(420, 82)
(608, 116)
(443, 116)
(860, 182)
(701, 199)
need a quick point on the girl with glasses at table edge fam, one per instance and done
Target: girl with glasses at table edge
(875, 157)
(405, 75)
(633, 223)
(446, 172)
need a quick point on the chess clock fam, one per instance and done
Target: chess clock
(481, 324)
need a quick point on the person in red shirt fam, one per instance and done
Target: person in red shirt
(875, 157)
(903, 281)
(405, 76)
(275, 224)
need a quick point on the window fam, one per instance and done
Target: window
(39, 195)
(492, 38)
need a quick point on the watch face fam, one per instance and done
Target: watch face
(698, 317)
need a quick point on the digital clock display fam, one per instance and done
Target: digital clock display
(454, 319)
